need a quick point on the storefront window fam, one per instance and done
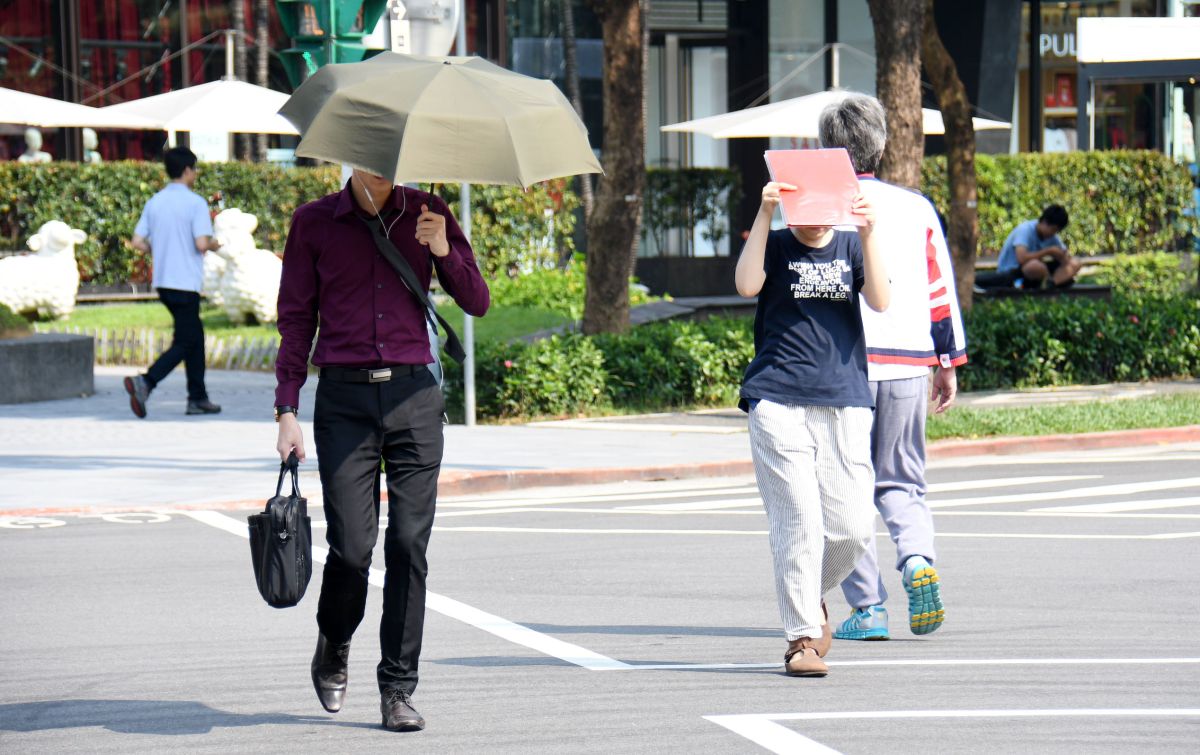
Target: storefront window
(1124, 113)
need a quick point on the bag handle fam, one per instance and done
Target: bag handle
(292, 464)
(454, 347)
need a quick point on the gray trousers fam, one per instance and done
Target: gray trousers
(898, 453)
(813, 468)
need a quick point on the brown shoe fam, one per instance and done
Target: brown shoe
(822, 645)
(801, 659)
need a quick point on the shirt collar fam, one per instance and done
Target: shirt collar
(346, 203)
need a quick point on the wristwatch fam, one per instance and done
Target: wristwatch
(282, 410)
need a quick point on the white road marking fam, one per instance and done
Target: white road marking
(1003, 482)
(1123, 506)
(760, 533)
(1095, 491)
(630, 511)
(728, 503)
(543, 500)
(29, 522)
(503, 628)
(130, 517)
(648, 427)
(763, 729)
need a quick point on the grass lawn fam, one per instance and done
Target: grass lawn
(1121, 414)
(500, 322)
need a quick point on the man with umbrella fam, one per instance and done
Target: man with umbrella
(420, 119)
(376, 400)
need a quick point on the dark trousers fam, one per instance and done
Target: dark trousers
(354, 426)
(187, 345)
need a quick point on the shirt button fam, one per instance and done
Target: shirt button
(380, 315)
(380, 345)
(378, 285)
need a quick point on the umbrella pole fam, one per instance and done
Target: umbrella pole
(464, 222)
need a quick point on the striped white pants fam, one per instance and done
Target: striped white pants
(813, 466)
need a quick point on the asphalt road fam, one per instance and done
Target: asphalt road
(634, 618)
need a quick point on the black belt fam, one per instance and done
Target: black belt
(377, 375)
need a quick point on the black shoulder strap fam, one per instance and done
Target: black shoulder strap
(453, 346)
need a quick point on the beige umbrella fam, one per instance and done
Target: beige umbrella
(797, 118)
(47, 112)
(439, 120)
(226, 105)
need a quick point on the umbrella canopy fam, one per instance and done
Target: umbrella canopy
(797, 118)
(433, 119)
(47, 112)
(226, 105)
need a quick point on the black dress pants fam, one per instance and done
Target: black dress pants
(187, 344)
(355, 425)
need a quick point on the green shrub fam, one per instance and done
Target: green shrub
(511, 230)
(1119, 201)
(12, 325)
(689, 198)
(559, 290)
(1154, 275)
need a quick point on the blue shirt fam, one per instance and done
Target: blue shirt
(809, 347)
(172, 221)
(1025, 235)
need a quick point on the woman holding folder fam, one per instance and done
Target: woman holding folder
(809, 404)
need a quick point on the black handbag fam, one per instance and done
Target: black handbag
(281, 543)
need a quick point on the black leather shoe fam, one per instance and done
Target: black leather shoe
(398, 712)
(203, 406)
(330, 673)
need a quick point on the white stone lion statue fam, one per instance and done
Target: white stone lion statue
(43, 283)
(240, 279)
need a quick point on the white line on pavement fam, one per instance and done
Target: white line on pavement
(1094, 491)
(759, 533)
(1123, 506)
(534, 499)
(502, 628)
(1004, 482)
(728, 503)
(763, 729)
(927, 662)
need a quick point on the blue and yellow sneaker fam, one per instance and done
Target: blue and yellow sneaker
(870, 623)
(925, 610)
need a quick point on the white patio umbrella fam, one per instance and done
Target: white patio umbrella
(797, 118)
(46, 112)
(226, 105)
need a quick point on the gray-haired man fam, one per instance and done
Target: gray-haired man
(921, 329)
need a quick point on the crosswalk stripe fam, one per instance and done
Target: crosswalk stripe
(533, 500)
(1095, 491)
(1004, 482)
(1120, 506)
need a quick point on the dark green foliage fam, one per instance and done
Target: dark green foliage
(511, 230)
(559, 290)
(688, 198)
(12, 325)
(1118, 202)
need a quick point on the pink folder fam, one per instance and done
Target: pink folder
(825, 185)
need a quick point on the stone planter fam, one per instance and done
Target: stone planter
(46, 366)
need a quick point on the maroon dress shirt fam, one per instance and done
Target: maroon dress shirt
(333, 272)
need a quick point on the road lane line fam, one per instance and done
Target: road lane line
(635, 666)
(534, 500)
(764, 730)
(761, 533)
(501, 627)
(1004, 482)
(1095, 491)
(728, 503)
(1117, 507)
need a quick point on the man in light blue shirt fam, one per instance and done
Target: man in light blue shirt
(1035, 253)
(175, 228)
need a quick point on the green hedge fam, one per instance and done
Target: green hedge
(511, 230)
(1150, 329)
(1119, 201)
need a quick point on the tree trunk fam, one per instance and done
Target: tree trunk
(572, 75)
(612, 229)
(237, 20)
(262, 51)
(898, 25)
(963, 236)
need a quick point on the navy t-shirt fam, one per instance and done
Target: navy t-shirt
(808, 336)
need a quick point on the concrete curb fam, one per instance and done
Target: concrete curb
(474, 483)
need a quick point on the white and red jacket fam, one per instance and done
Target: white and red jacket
(922, 326)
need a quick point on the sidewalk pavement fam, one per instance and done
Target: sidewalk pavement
(92, 454)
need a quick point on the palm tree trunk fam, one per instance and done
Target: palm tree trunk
(262, 50)
(572, 75)
(237, 13)
(963, 236)
(613, 228)
(898, 27)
